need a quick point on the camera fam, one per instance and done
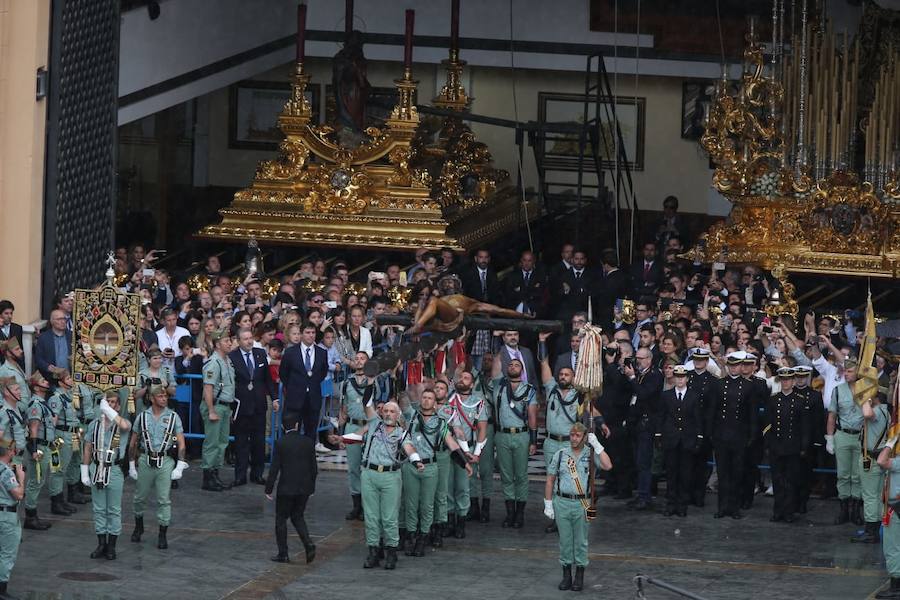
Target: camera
(611, 351)
(768, 329)
(629, 362)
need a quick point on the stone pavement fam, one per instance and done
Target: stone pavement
(220, 544)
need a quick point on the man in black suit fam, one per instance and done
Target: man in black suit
(570, 358)
(512, 350)
(646, 386)
(647, 273)
(525, 287)
(563, 266)
(8, 329)
(681, 433)
(294, 459)
(574, 287)
(303, 368)
(612, 286)
(479, 281)
(252, 382)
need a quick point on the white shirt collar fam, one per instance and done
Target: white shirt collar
(681, 391)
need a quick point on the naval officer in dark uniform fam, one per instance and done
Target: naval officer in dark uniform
(787, 436)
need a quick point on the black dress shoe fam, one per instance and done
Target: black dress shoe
(668, 512)
(789, 518)
(237, 482)
(719, 514)
(282, 558)
(736, 515)
(776, 519)
(682, 513)
(258, 480)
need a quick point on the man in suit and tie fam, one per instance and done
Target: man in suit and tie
(54, 347)
(569, 359)
(303, 368)
(253, 383)
(525, 287)
(294, 466)
(681, 434)
(574, 288)
(563, 266)
(613, 285)
(8, 329)
(647, 273)
(480, 282)
(512, 350)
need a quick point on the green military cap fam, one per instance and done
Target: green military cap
(4, 443)
(6, 382)
(9, 345)
(218, 334)
(157, 389)
(850, 363)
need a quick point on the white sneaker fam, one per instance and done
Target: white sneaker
(770, 491)
(322, 448)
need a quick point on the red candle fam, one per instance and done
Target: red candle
(348, 17)
(454, 25)
(407, 50)
(301, 33)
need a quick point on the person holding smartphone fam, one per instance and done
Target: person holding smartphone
(167, 337)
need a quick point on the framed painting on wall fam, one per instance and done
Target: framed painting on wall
(253, 110)
(560, 150)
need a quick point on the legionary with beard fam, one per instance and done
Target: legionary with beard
(516, 438)
(426, 431)
(353, 418)
(468, 422)
(566, 498)
(564, 407)
(481, 485)
(442, 458)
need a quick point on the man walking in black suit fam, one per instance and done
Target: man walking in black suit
(574, 288)
(295, 461)
(252, 382)
(303, 368)
(681, 433)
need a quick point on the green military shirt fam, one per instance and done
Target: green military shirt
(219, 372)
(101, 446)
(876, 429)
(512, 406)
(352, 393)
(164, 375)
(156, 428)
(8, 483)
(12, 424)
(894, 475)
(484, 386)
(562, 408)
(39, 410)
(66, 416)
(11, 369)
(559, 466)
(466, 415)
(426, 433)
(89, 401)
(849, 414)
(382, 448)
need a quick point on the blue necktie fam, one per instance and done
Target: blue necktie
(308, 361)
(249, 363)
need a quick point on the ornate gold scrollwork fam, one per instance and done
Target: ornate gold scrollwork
(845, 216)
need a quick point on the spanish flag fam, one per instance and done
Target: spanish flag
(866, 385)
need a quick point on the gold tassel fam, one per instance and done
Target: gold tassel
(76, 398)
(130, 405)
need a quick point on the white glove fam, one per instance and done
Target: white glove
(548, 509)
(594, 443)
(463, 445)
(108, 410)
(414, 457)
(829, 444)
(85, 476)
(479, 447)
(132, 470)
(178, 470)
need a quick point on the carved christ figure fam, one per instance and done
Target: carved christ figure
(446, 312)
(351, 88)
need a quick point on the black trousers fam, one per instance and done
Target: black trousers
(249, 445)
(701, 473)
(679, 476)
(618, 446)
(290, 507)
(805, 476)
(786, 472)
(730, 469)
(752, 459)
(308, 415)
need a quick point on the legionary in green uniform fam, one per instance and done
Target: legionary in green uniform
(41, 434)
(564, 407)
(481, 485)
(154, 373)
(876, 420)
(158, 433)
(103, 454)
(216, 410)
(12, 422)
(469, 424)
(516, 435)
(12, 490)
(10, 368)
(67, 426)
(353, 418)
(427, 430)
(442, 458)
(567, 496)
(381, 479)
(87, 410)
(890, 543)
(845, 420)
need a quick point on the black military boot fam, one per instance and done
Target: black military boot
(356, 511)
(408, 544)
(520, 515)
(372, 558)
(76, 497)
(891, 592)
(209, 483)
(460, 532)
(551, 528)
(419, 549)
(844, 513)
(449, 529)
(161, 542)
(57, 507)
(566, 582)
(510, 519)
(474, 512)
(222, 484)
(437, 540)
(485, 510)
(138, 529)
(111, 547)
(33, 522)
(100, 550)
(869, 534)
(390, 561)
(856, 512)
(578, 583)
